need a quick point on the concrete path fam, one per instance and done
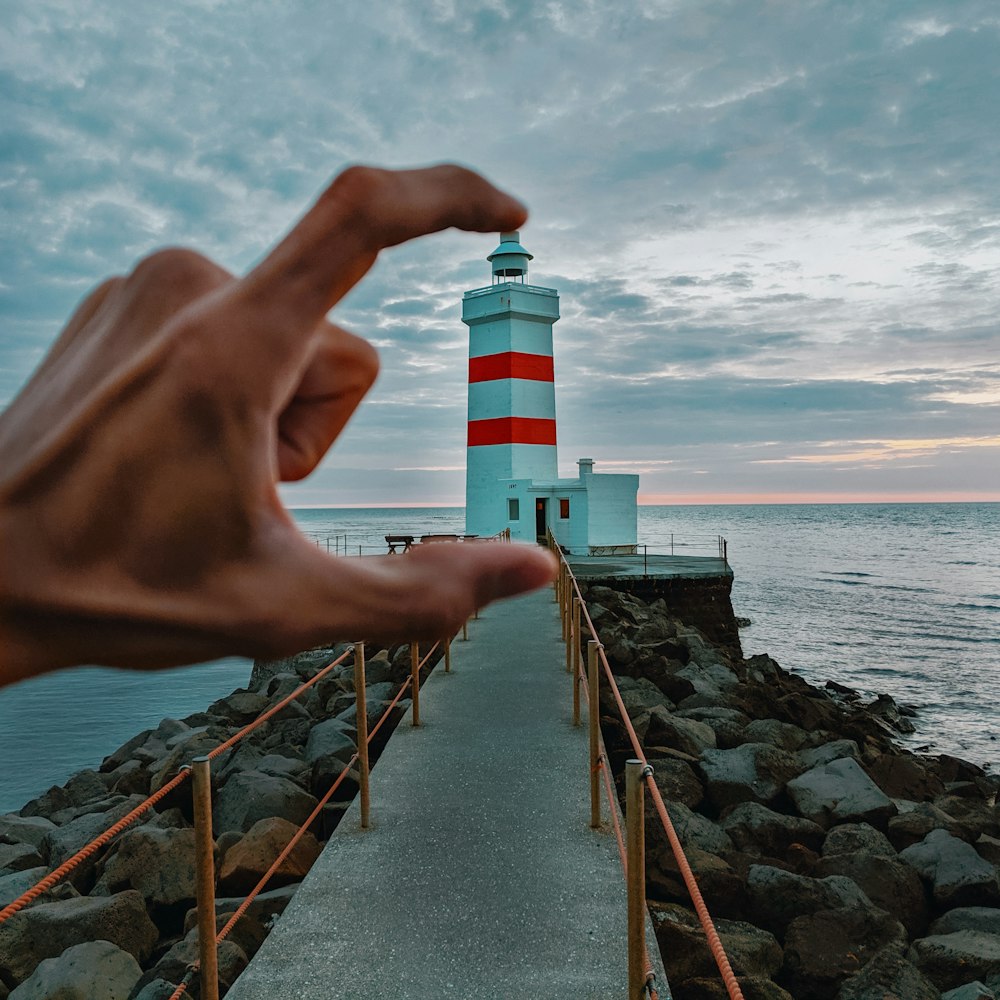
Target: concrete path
(480, 876)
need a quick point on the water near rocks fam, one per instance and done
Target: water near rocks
(902, 598)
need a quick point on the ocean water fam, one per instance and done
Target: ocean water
(901, 598)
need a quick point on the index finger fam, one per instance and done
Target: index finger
(363, 211)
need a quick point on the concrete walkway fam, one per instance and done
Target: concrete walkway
(480, 876)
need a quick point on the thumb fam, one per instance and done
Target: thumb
(425, 594)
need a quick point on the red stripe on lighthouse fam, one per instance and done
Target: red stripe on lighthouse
(512, 430)
(513, 364)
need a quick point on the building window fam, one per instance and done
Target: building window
(564, 507)
(513, 509)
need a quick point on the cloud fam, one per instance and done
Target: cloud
(774, 224)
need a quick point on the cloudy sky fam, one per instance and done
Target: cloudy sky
(774, 227)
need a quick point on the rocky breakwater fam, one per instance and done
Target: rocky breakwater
(836, 863)
(122, 925)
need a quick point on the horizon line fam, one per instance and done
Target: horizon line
(702, 500)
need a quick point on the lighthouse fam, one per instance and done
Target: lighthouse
(512, 469)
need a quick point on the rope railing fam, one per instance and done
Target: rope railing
(576, 619)
(72, 863)
(203, 815)
(209, 945)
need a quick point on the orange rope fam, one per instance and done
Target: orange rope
(245, 905)
(98, 842)
(704, 917)
(85, 852)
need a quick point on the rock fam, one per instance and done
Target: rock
(174, 964)
(304, 665)
(716, 878)
(282, 767)
(677, 781)
(988, 848)
(264, 910)
(753, 772)
(968, 918)
(333, 737)
(18, 858)
(687, 735)
(132, 778)
(158, 864)
(125, 751)
(81, 788)
(904, 776)
(640, 694)
(64, 841)
(752, 987)
(884, 708)
(957, 875)
(827, 753)
(783, 735)
(252, 796)
(16, 884)
(46, 930)
(241, 706)
(755, 828)
(777, 897)
(857, 838)
(888, 976)
(910, 827)
(974, 818)
(840, 792)
(155, 989)
(694, 830)
(166, 767)
(750, 950)
(970, 991)
(248, 859)
(952, 960)
(825, 948)
(25, 830)
(887, 881)
(95, 970)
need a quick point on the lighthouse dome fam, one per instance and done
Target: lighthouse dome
(510, 259)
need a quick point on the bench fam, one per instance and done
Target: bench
(393, 540)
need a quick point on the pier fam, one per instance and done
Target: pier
(480, 874)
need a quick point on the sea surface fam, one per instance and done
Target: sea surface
(900, 598)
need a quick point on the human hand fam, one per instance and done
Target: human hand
(140, 524)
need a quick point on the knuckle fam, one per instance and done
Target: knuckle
(177, 268)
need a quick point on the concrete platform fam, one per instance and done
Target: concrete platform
(480, 875)
(662, 567)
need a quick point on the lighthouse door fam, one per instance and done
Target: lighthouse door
(541, 520)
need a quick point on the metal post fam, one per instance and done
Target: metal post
(361, 717)
(636, 876)
(204, 854)
(594, 719)
(447, 656)
(415, 680)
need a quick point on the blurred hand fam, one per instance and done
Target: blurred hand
(140, 524)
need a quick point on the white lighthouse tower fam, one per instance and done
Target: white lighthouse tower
(512, 473)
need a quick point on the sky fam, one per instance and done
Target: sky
(774, 227)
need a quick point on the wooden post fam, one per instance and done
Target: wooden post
(636, 876)
(204, 854)
(577, 604)
(594, 720)
(465, 630)
(447, 656)
(361, 712)
(415, 680)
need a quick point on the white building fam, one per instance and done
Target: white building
(512, 477)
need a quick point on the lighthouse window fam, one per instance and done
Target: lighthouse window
(513, 509)
(564, 507)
